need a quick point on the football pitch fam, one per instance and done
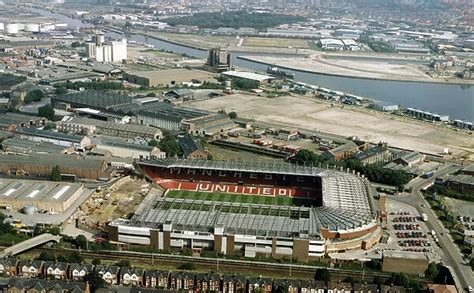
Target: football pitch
(238, 198)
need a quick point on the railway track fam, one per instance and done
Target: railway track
(218, 265)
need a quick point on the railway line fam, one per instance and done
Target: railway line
(217, 265)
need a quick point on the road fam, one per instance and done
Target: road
(452, 256)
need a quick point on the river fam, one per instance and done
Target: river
(457, 101)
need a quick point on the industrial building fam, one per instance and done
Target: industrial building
(57, 138)
(168, 77)
(87, 126)
(38, 195)
(345, 218)
(24, 146)
(12, 121)
(123, 149)
(342, 152)
(261, 78)
(113, 51)
(208, 125)
(192, 148)
(42, 164)
(404, 261)
(90, 99)
(374, 155)
(218, 60)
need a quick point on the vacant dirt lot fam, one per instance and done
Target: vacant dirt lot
(372, 126)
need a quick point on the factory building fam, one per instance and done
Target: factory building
(377, 154)
(169, 77)
(24, 146)
(114, 51)
(261, 78)
(89, 126)
(57, 138)
(12, 121)
(42, 165)
(38, 195)
(122, 149)
(208, 125)
(218, 60)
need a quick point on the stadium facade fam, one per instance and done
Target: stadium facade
(337, 212)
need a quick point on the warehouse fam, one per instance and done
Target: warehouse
(169, 77)
(43, 195)
(24, 146)
(12, 121)
(42, 164)
(208, 125)
(95, 100)
(88, 126)
(248, 76)
(122, 149)
(57, 138)
(407, 262)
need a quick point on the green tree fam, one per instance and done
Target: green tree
(75, 257)
(34, 96)
(308, 157)
(77, 44)
(322, 275)
(123, 263)
(187, 266)
(377, 280)
(169, 144)
(61, 91)
(95, 280)
(96, 261)
(46, 111)
(151, 94)
(232, 115)
(56, 173)
(432, 271)
(5, 227)
(81, 241)
(46, 256)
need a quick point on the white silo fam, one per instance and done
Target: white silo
(21, 26)
(2, 26)
(11, 28)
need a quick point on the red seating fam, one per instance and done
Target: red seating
(232, 182)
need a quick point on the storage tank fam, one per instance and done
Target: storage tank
(2, 26)
(11, 28)
(21, 26)
(29, 209)
(32, 27)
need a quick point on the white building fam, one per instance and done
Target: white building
(332, 44)
(90, 50)
(119, 50)
(115, 51)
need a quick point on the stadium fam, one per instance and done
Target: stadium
(252, 209)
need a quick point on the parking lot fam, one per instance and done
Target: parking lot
(408, 232)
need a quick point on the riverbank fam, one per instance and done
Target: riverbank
(393, 73)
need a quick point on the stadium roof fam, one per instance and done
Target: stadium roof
(246, 166)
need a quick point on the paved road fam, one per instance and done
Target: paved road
(452, 256)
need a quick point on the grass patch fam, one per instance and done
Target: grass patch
(10, 239)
